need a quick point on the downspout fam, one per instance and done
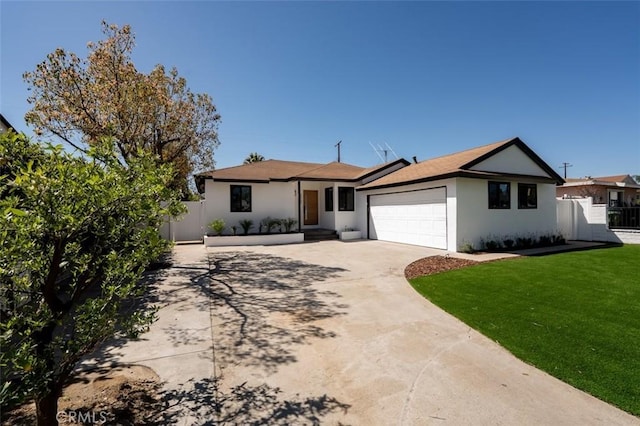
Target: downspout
(368, 215)
(299, 212)
(446, 219)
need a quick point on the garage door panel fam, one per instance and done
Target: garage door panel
(418, 217)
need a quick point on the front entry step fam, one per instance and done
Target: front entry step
(320, 234)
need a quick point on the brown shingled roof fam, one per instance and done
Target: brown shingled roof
(452, 165)
(261, 171)
(264, 171)
(570, 180)
(612, 181)
(618, 178)
(332, 171)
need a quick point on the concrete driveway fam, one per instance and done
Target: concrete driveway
(331, 333)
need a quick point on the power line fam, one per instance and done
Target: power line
(565, 166)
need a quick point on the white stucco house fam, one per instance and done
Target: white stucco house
(315, 195)
(502, 189)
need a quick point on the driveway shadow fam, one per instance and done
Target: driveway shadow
(263, 305)
(261, 308)
(205, 402)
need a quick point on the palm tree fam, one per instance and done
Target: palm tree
(254, 157)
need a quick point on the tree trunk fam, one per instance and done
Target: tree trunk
(47, 409)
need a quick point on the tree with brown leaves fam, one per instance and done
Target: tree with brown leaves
(82, 101)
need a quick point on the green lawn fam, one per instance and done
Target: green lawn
(574, 315)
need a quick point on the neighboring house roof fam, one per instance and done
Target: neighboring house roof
(618, 178)
(5, 124)
(278, 170)
(618, 181)
(460, 165)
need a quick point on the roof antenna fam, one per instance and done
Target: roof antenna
(384, 151)
(392, 151)
(379, 150)
(338, 145)
(376, 151)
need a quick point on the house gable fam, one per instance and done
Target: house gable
(511, 160)
(628, 179)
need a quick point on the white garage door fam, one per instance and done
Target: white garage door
(416, 217)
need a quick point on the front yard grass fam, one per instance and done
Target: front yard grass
(574, 315)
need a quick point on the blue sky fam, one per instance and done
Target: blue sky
(290, 79)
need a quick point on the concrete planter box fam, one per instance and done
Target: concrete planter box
(253, 240)
(350, 235)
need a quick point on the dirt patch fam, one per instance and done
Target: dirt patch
(127, 395)
(434, 265)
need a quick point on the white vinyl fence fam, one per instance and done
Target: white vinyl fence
(580, 219)
(189, 227)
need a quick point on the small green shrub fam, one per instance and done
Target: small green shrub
(524, 242)
(268, 224)
(508, 243)
(246, 225)
(288, 224)
(467, 247)
(234, 228)
(264, 224)
(217, 226)
(558, 240)
(492, 245)
(273, 224)
(544, 241)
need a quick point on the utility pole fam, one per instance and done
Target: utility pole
(338, 145)
(564, 166)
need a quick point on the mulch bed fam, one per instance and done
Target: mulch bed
(435, 265)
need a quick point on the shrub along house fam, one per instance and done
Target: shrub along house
(501, 190)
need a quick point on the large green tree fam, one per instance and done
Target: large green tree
(81, 101)
(77, 233)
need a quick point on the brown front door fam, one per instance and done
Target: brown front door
(310, 205)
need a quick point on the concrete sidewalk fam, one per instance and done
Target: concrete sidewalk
(331, 333)
(537, 251)
(179, 345)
